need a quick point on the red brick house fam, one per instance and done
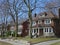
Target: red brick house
(25, 30)
(57, 25)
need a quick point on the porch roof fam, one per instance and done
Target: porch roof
(42, 25)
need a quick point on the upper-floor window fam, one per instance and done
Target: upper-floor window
(34, 23)
(47, 21)
(39, 21)
(43, 15)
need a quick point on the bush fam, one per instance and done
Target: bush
(8, 33)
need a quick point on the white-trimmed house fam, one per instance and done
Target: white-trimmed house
(43, 24)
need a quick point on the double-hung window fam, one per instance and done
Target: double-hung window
(47, 21)
(48, 29)
(39, 21)
(34, 23)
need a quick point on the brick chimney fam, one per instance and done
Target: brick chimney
(35, 15)
(45, 14)
(59, 13)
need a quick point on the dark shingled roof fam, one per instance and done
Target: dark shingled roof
(45, 15)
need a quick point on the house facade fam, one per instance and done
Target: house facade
(20, 27)
(43, 24)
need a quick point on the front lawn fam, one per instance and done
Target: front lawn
(3, 43)
(37, 40)
(57, 43)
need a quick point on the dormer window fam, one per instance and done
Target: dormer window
(43, 15)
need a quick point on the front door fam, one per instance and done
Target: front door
(41, 32)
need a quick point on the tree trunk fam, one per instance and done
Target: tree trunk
(30, 20)
(16, 24)
(30, 28)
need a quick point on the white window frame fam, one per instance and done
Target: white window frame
(39, 21)
(43, 15)
(47, 30)
(34, 23)
(46, 21)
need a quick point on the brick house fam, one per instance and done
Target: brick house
(44, 24)
(57, 25)
(25, 30)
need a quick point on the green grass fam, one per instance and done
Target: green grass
(37, 40)
(57, 43)
(3, 43)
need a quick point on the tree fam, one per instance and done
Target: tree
(4, 17)
(14, 11)
(31, 6)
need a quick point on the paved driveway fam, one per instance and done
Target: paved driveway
(47, 42)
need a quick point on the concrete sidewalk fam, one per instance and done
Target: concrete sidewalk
(15, 42)
(23, 42)
(48, 42)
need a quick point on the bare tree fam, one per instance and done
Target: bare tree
(31, 6)
(4, 16)
(14, 8)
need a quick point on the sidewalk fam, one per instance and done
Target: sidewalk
(15, 42)
(48, 42)
(23, 42)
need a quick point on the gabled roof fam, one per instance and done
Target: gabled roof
(45, 15)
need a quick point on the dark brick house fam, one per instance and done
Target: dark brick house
(57, 25)
(25, 30)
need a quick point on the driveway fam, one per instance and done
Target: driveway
(47, 42)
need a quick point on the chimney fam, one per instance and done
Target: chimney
(35, 15)
(59, 13)
(45, 14)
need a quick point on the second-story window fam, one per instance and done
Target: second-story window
(47, 21)
(34, 23)
(39, 21)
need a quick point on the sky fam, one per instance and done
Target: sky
(42, 3)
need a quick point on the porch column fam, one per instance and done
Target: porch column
(38, 31)
(29, 32)
(33, 31)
